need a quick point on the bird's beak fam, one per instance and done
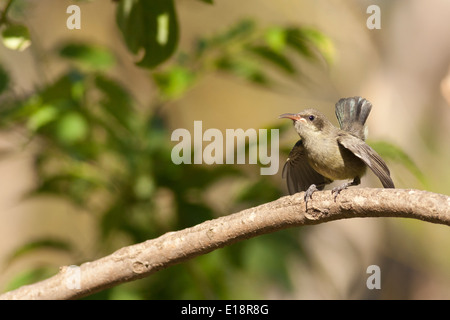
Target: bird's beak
(291, 116)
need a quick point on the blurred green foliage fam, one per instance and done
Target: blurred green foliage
(247, 52)
(101, 153)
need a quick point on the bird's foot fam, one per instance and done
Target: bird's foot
(308, 194)
(338, 189)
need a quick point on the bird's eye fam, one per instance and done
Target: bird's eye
(311, 118)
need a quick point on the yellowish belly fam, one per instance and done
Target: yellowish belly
(341, 165)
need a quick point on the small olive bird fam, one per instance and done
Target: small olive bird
(325, 153)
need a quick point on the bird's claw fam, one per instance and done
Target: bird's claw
(308, 194)
(337, 190)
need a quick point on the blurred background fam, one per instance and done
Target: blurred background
(87, 115)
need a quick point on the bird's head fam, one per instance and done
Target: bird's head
(308, 121)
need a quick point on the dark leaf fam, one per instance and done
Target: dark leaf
(150, 29)
(310, 43)
(16, 37)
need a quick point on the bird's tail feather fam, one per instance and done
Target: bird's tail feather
(352, 114)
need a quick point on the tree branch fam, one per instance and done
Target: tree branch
(143, 259)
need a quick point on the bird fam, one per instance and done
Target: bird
(326, 153)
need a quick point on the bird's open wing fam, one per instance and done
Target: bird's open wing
(360, 149)
(299, 174)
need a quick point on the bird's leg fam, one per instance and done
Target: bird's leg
(337, 190)
(308, 194)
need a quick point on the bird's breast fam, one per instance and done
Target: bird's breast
(330, 159)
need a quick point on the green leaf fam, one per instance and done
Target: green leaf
(89, 56)
(16, 37)
(174, 82)
(238, 31)
(43, 116)
(275, 38)
(277, 59)
(309, 42)
(62, 90)
(244, 68)
(296, 41)
(207, 1)
(72, 127)
(150, 29)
